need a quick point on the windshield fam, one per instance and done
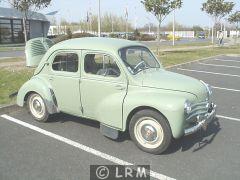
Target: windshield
(138, 58)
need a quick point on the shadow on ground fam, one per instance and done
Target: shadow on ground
(61, 117)
(194, 142)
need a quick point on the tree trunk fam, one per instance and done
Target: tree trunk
(213, 27)
(158, 37)
(236, 38)
(237, 27)
(158, 31)
(25, 29)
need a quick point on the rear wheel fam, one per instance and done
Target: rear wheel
(150, 131)
(37, 107)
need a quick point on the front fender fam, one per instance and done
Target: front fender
(169, 103)
(43, 88)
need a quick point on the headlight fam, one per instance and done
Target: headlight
(187, 107)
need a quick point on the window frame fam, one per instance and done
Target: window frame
(65, 72)
(96, 75)
(155, 57)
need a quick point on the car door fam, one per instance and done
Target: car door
(103, 88)
(65, 81)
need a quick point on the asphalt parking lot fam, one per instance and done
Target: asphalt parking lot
(65, 147)
(11, 54)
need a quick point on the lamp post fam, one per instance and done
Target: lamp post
(149, 25)
(99, 19)
(213, 33)
(112, 22)
(126, 16)
(173, 43)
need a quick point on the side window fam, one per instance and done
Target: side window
(66, 62)
(99, 64)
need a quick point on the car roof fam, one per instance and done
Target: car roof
(95, 43)
(88, 43)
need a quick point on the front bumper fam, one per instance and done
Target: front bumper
(208, 117)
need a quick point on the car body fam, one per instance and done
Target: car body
(66, 80)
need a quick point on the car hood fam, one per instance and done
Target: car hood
(162, 79)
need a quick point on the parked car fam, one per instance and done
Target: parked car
(119, 83)
(201, 35)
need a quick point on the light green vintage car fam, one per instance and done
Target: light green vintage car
(119, 83)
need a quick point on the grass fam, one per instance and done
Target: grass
(11, 47)
(188, 45)
(11, 79)
(15, 59)
(208, 43)
(181, 56)
(184, 45)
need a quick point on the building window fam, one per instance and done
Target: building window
(4, 21)
(5, 31)
(11, 30)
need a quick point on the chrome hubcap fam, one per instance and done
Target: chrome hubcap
(148, 132)
(37, 106)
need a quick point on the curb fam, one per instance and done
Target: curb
(233, 55)
(11, 57)
(9, 108)
(168, 67)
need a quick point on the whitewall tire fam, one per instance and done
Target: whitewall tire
(150, 131)
(37, 107)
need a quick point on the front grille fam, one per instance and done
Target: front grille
(198, 110)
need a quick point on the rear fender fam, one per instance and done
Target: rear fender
(41, 87)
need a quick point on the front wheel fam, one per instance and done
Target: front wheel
(37, 107)
(150, 131)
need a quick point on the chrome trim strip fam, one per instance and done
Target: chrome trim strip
(199, 125)
(195, 115)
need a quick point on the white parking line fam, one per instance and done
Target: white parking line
(81, 146)
(229, 118)
(226, 89)
(218, 65)
(207, 72)
(225, 60)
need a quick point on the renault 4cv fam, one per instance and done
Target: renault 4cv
(120, 84)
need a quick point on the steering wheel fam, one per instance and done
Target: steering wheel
(139, 64)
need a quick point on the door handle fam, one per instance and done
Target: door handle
(50, 78)
(119, 87)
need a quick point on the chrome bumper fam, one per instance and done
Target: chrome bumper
(203, 123)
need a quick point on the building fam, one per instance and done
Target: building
(11, 25)
(182, 34)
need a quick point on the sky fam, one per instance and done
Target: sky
(76, 10)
